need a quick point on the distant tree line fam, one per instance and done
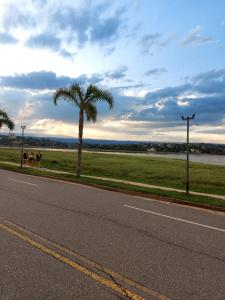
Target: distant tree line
(160, 147)
(148, 147)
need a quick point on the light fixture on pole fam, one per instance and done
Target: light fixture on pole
(21, 161)
(187, 150)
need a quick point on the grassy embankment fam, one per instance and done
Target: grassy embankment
(157, 171)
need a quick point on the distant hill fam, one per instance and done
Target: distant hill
(74, 140)
(94, 141)
(111, 145)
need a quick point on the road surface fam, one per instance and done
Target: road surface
(68, 241)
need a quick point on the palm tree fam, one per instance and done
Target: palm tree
(86, 101)
(5, 120)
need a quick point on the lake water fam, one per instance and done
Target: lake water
(201, 158)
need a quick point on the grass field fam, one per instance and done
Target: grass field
(158, 171)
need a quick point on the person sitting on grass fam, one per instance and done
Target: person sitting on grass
(38, 158)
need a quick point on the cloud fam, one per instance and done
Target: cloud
(86, 79)
(131, 86)
(212, 75)
(28, 107)
(31, 108)
(42, 80)
(6, 38)
(117, 74)
(74, 23)
(158, 112)
(168, 92)
(213, 130)
(204, 95)
(105, 30)
(134, 32)
(211, 82)
(152, 42)
(195, 37)
(35, 80)
(66, 23)
(66, 54)
(65, 26)
(47, 40)
(155, 72)
(168, 114)
(44, 40)
(109, 51)
(148, 41)
(18, 16)
(88, 23)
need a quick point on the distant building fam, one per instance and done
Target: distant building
(195, 151)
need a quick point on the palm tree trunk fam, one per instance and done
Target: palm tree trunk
(80, 141)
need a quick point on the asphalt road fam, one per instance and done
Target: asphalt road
(68, 241)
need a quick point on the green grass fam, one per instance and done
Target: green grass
(159, 171)
(117, 186)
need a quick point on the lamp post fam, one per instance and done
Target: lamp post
(187, 151)
(21, 161)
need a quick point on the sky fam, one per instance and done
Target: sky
(160, 59)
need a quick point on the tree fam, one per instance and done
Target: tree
(85, 100)
(5, 120)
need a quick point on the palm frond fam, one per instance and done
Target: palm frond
(89, 92)
(65, 94)
(77, 91)
(5, 120)
(91, 112)
(95, 94)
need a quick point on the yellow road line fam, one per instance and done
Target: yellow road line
(115, 275)
(73, 264)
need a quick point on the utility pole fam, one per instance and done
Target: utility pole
(187, 150)
(21, 161)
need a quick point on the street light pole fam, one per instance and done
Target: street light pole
(21, 161)
(187, 150)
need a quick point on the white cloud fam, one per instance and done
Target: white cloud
(134, 93)
(27, 110)
(52, 127)
(195, 37)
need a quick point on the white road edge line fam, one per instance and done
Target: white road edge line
(24, 182)
(173, 218)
